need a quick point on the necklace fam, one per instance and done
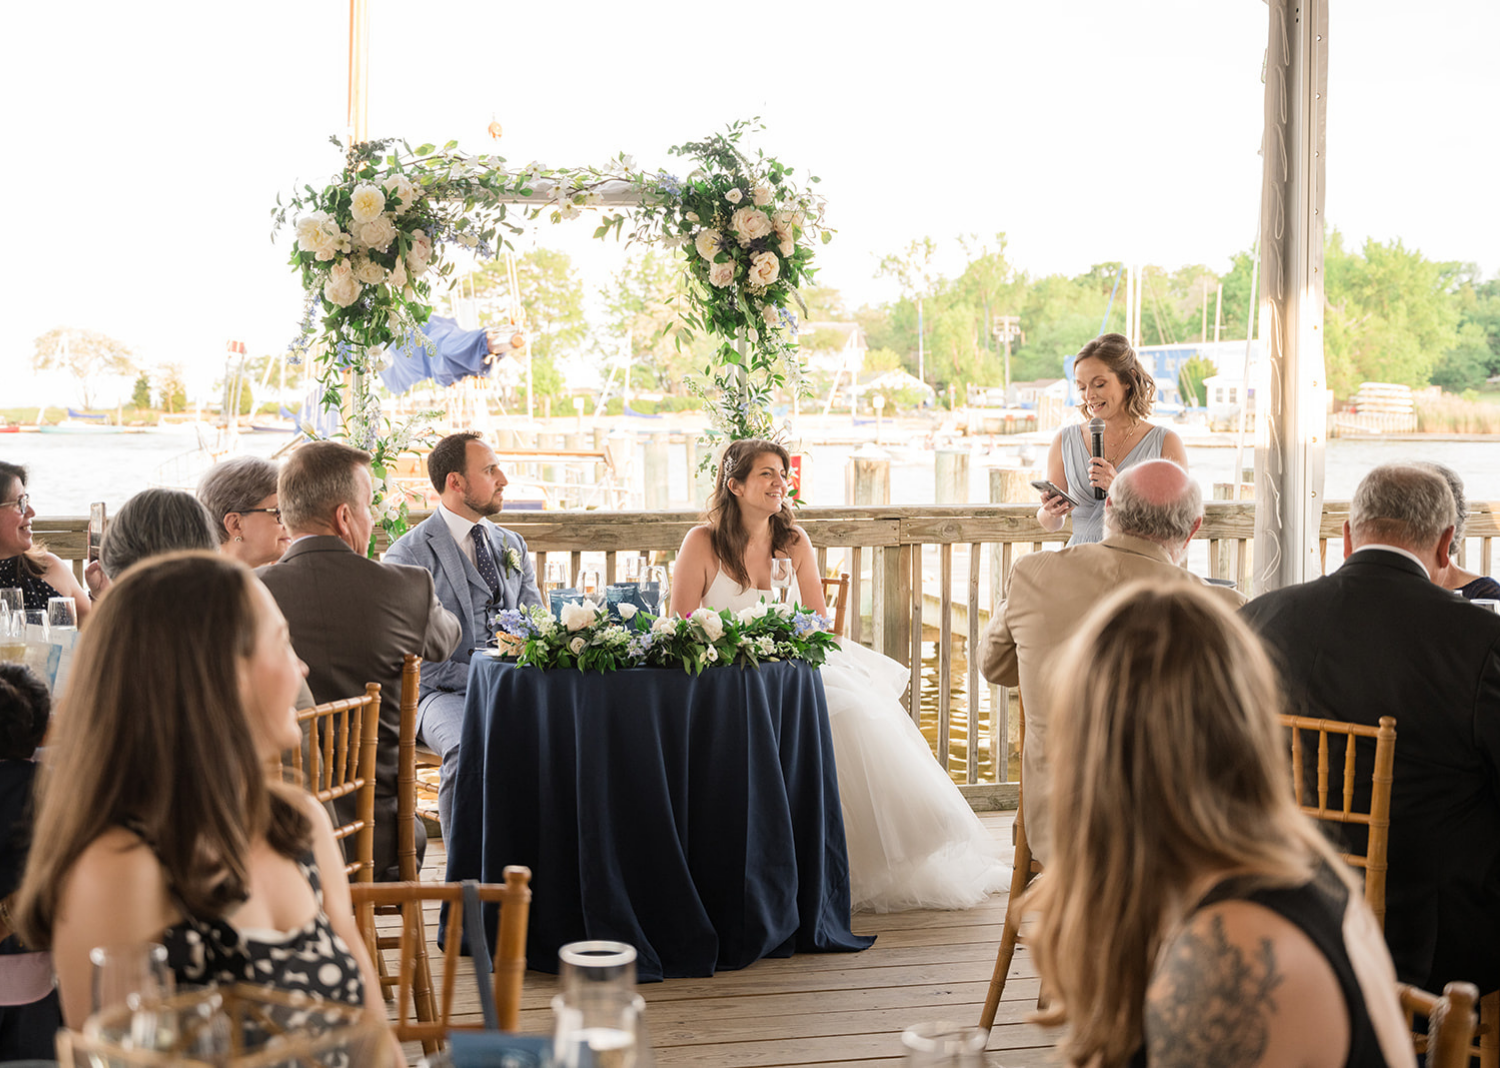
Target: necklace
(1121, 451)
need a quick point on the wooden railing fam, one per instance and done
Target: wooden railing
(920, 576)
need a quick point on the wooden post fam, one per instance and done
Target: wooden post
(505, 438)
(951, 476)
(658, 496)
(868, 478)
(551, 472)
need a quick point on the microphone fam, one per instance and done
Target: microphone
(1096, 434)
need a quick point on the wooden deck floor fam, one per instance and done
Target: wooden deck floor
(834, 1008)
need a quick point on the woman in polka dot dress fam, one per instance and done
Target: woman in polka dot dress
(39, 574)
(157, 821)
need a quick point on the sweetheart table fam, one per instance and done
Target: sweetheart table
(694, 817)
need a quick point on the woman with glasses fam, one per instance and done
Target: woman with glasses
(40, 575)
(240, 495)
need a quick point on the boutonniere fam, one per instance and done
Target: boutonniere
(511, 560)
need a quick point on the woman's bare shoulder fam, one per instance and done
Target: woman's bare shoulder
(115, 863)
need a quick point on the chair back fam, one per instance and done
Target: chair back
(337, 760)
(514, 899)
(1450, 1022)
(1377, 818)
(839, 589)
(406, 772)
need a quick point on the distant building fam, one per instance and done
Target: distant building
(1165, 362)
(1030, 394)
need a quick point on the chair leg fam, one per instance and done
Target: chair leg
(1489, 1034)
(1020, 876)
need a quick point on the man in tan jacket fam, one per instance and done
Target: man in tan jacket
(1152, 512)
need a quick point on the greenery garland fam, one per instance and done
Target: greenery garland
(369, 244)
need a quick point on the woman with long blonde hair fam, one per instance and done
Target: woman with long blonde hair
(913, 841)
(1189, 913)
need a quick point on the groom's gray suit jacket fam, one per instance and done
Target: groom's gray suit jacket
(459, 587)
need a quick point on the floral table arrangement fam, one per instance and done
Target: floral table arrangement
(586, 637)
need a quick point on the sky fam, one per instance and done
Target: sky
(148, 141)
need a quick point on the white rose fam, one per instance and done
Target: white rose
(367, 202)
(722, 274)
(576, 616)
(753, 612)
(749, 223)
(397, 277)
(627, 612)
(378, 233)
(788, 246)
(710, 621)
(399, 187)
(770, 314)
(577, 645)
(761, 194)
(342, 288)
(368, 271)
(318, 233)
(664, 625)
(734, 196)
(785, 224)
(691, 217)
(711, 654)
(708, 243)
(421, 252)
(765, 268)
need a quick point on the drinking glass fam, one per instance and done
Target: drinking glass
(557, 576)
(630, 567)
(189, 1023)
(592, 585)
(657, 586)
(599, 1008)
(944, 1045)
(62, 613)
(11, 600)
(36, 624)
(135, 969)
(12, 637)
(781, 578)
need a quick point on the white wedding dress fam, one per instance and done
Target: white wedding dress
(913, 840)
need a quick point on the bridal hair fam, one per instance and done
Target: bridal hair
(33, 560)
(1168, 766)
(1115, 353)
(152, 736)
(153, 522)
(727, 533)
(235, 485)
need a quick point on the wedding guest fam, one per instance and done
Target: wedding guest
(24, 562)
(1113, 386)
(240, 495)
(1469, 584)
(29, 1010)
(159, 818)
(353, 619)
(153, 522)
(1191, 910)
(478, 568)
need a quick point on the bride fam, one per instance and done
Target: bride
(913, 841)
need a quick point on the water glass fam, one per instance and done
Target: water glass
(190, 1023)
(592, 585)
(556, 576)
(132, 970)
(944, 1045)
(599, 1008)
(62, 613)
(631, 565)
(657, 577)
(36, 624)
(11, 600)
(781, 578)
(12, 637)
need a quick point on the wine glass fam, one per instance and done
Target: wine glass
(556, 576)
(131, 970)
(11, 600)
(658, 588)
(630, 567)
(592, 585)
(35, 620)
(62, 613)
(781, 578)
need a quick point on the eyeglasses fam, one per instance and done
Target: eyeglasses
(274, 513)
(20, 504)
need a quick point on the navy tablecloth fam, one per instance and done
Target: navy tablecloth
(694, 817)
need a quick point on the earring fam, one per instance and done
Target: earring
(238, 538)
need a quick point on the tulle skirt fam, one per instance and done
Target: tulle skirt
(913, 840)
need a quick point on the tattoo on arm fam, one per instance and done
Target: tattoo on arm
(1208, 1004)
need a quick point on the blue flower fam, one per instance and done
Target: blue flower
(516, 621)
(669, 183)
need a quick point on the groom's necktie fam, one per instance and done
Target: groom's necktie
(484, 561)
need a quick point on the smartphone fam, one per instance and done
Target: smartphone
(1047, 489)
(96, 529)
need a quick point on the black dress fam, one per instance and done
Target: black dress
(1483, 587)
(35, 592)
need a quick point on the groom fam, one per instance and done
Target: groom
(477, 569)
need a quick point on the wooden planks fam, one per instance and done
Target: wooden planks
(827, 1008)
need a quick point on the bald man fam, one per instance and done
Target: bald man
(1152, 512)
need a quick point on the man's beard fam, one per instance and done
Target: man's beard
(482, 506)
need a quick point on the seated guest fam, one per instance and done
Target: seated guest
(30, 1014)
(353, 619)
(478, 568)
(1377, 638)
(24, 563)
(152, 523)
(1193, 915)
(1150, 516)
(1469, 584)
(240, 495)
(157, 820)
